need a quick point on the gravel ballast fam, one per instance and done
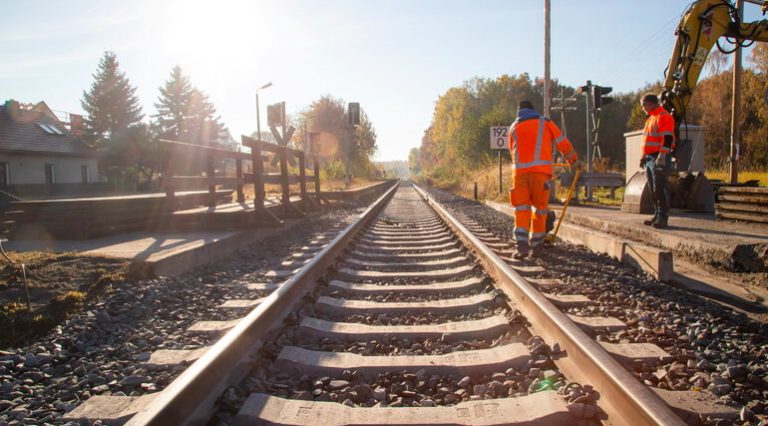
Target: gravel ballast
(99, 351)
(715, 348)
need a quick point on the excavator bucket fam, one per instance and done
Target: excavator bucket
(688, 190)
(692, 191)
(637, 195)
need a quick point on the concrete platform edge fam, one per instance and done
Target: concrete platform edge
(183, 261)
(658, 263)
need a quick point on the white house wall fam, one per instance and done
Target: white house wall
(30, 169)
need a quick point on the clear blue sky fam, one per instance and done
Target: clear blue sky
(394, 57)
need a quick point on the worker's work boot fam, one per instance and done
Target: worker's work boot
(520, 255)
(650, 221)
(538, 252)
(660, 224)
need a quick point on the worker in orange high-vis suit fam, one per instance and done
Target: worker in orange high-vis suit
(532, 140)
(658, 142)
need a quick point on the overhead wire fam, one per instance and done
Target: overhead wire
(647, 50)
(647, 47)
(647, 44)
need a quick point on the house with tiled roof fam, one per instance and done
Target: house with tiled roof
(41, 154)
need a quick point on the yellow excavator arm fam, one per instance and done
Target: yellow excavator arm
(702, 25)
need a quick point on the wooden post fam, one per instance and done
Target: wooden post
(316, 167)
(286, 198)
(547, 81)
(303, 177)
(258, 178)
(210, 170)
(733, 175)
(170, 198)
(239, 175)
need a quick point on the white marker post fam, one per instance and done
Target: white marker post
(500, 142)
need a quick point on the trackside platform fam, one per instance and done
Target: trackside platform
(698, 237)
(172, 253)
(724, 260)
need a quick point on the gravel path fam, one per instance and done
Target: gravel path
(99, 352)
(714, 348)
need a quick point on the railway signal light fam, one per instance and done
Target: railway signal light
(276, 114)
(598, 100)
(353, 110)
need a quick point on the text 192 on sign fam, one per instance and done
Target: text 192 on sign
(499, 137)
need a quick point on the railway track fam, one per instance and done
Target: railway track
(406, 317)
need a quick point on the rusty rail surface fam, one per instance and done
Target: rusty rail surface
(190, 398)
(623, 398)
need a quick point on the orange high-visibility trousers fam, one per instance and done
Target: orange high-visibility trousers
(530, 197)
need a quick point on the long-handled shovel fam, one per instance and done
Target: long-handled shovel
(551, 237)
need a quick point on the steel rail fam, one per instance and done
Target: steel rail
(625, 400)
(190, 398)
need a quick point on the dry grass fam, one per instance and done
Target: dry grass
(488, 187)
(744, 176)
(59, 284)
(487, 180)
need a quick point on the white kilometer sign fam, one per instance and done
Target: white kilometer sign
(499, 137)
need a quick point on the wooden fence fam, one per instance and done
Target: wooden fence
(175, 154)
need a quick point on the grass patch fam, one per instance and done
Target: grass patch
(60, 285)
(462, 182)
(487, 179)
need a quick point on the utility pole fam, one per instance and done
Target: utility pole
(258, 116)
(547, 102)
(587, 94)
(736, 108)
(353, 116)
(347, 149)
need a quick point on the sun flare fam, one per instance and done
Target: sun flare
(220, 32)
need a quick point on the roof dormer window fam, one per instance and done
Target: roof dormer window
(50, 129)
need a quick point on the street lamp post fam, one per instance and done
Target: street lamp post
(258, 117)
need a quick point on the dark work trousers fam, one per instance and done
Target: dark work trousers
(657, 180)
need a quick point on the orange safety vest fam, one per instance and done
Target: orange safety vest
(532, 142)
(659, 124)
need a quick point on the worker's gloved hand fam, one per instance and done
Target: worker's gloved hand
(661, 160)
(642, 162)
(577, 165)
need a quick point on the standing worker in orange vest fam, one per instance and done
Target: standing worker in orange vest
(532, 139)
(658, 141)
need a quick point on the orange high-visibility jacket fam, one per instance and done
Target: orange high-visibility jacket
(659, 124)
(532, 142)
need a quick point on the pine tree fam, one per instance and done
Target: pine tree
(173, 105)
(111, 103)
(185, 113)
(203, 126)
